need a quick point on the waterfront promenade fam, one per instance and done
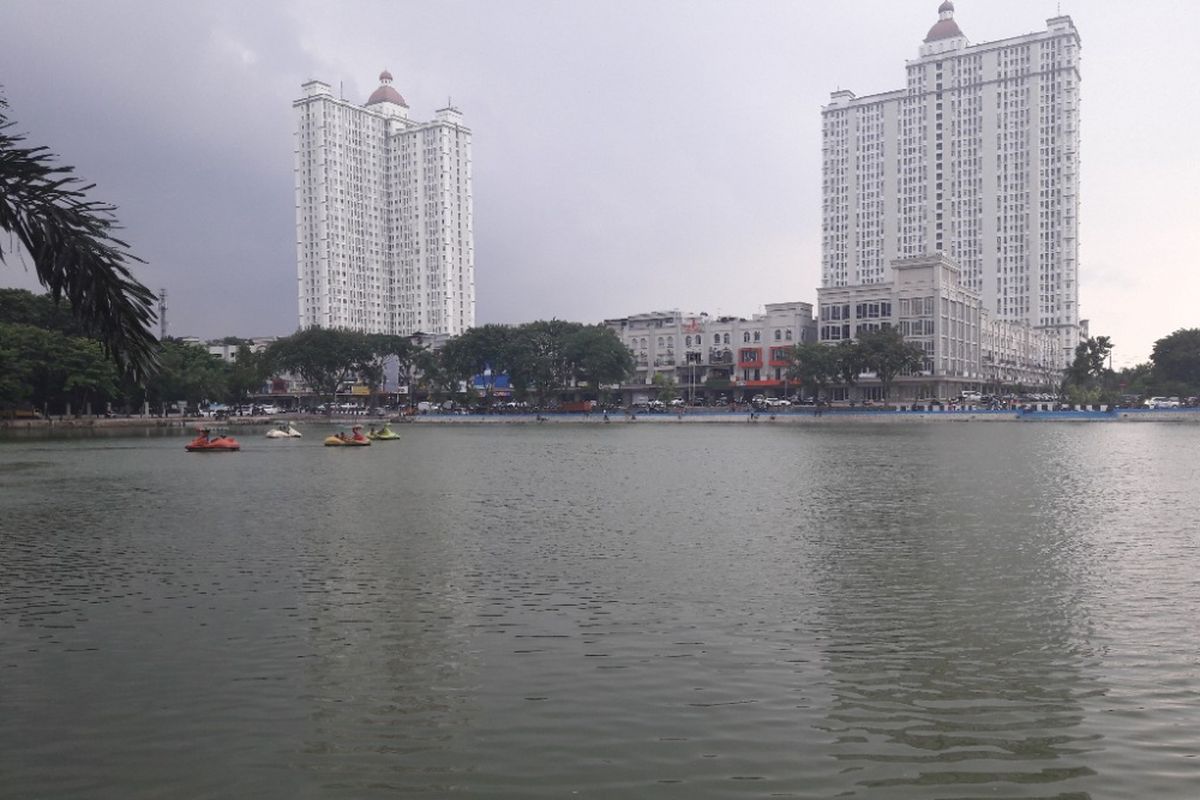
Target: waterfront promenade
(705, 416)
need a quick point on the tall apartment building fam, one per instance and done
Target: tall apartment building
(978, 158)
(384, 235)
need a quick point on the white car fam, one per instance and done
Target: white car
(1162, 402)
(777, 402)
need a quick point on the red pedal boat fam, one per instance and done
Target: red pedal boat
(213, 444)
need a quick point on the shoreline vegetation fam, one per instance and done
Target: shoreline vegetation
(835, 416)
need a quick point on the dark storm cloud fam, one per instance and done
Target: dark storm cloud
(627, 155)
(161, 107)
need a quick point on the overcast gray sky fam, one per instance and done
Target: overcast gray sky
(628, 156)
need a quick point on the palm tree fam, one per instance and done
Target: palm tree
(75, 254)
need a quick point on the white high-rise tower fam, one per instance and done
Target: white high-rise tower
(978, 157)
(384, 235)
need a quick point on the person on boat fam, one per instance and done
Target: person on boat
(371, 431)
(358, 434)
(200, 440)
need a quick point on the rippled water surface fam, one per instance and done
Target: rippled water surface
(668, 611)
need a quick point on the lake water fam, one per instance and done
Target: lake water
(667, 611)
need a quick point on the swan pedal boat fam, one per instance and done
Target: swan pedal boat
(384, 434)
(281, 432)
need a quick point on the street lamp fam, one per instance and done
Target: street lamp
(693, 358)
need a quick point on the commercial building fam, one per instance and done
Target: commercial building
(384, 231)
(976, 157)
(966, 346)
(708, 357)
(227, 349)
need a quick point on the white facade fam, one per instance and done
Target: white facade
(716, 355)
(977, 157)
(384, 234)
(966, 347)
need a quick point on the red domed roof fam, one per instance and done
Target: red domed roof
(386, 94)
(943, 29)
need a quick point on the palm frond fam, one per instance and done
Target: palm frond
(75, 252)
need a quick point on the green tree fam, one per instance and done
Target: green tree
(247, 374)
(1176, 360)
(1088, 368)
(486, 351)
(814, 365)
(433, 377)
(187, 373)
(88, 374)
(850, 361)
(75, 253)
(23, 354)
(539, 356)
(1133, 380)
(665, 386)
(51, 370)
(885, 353)
(23, 307)
(12, 388)
(598, 356)
(324, 358)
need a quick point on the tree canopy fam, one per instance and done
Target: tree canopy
(814, 365)
(1091, 356)
(187, 373)
(598, 356)
(324, 357)
(44, 368)
(1176, 358)
(885, 353)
